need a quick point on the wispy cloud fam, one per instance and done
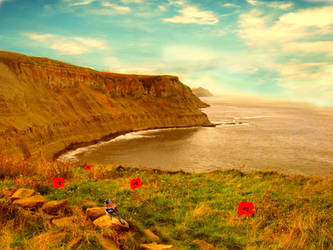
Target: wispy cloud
(191, 14)
(231, 5)
(118, 8)
(68, 45)
(78, 2)
(273, 4)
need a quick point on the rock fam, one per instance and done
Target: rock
(74, 242)
(151, 235)
(22, 193)
(95, 212)
(107, 243)
(31, 202)
(52, 207)
(65, 222)
(105, 221)
(155, 246)
(205, 245)
(88, 204)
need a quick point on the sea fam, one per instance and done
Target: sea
(251, 134)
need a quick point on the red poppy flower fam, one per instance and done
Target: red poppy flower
(135, 183)
(245, 208)
(58, 183)
(87, 167)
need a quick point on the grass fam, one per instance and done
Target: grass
(291, 212)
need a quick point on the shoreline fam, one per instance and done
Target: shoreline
(77, 145)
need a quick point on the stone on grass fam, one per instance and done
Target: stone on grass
(35, 201)
(107, 243)
(52, 207)
(151, 235)
(95, 212)
(105, 222)
(155, 246)
(205, 245)
(22, 193)
(65, 222)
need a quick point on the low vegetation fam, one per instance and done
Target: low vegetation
(188, 211)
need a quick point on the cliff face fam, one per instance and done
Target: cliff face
(47, 105)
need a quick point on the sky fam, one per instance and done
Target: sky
(274, 49)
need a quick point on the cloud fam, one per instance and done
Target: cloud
(325, 47)
(293, 43)
(255, 30)
(279, 5)
(231, 5)
(252, 2)
(162, 7)
(79, 2)
(119, 8)
(317, 17)
(68, 45)
(131, 1)
(177, 2)
(192, 14)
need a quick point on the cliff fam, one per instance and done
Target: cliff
(47, 106)
(201, 92)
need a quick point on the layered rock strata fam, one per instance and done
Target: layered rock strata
(47, 106)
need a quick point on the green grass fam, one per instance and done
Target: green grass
(291, 212)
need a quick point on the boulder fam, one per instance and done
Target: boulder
(65, 222)
(107, 243)
(105, 221)
(155, 246)
(31, 202)
(22, 193)
(52, 207)
(95, 212)
(151, 235)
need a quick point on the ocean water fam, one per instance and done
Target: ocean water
(252, 135)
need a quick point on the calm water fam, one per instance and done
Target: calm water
(290, 138)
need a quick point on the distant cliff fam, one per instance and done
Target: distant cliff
(47, 106)
(201, 92)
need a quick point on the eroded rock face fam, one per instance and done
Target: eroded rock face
(47, 105)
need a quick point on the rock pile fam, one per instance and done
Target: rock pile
(29, 199)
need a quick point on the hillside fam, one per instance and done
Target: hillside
(47, 106)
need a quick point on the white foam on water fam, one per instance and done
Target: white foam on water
(71, 156)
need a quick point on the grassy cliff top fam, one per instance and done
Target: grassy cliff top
(188, 211)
